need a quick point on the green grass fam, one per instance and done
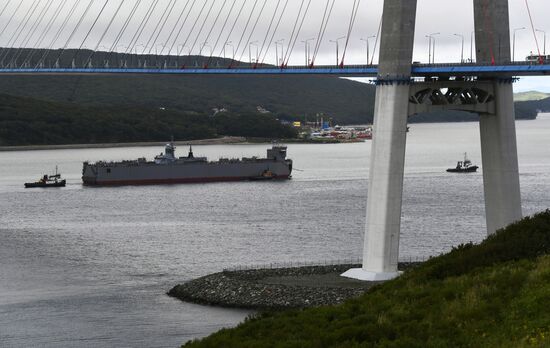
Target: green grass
(496, 294)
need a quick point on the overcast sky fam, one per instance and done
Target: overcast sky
(447, 17)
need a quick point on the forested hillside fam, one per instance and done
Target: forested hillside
(26, 121)
(294, 96)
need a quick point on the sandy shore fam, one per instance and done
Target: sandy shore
(217, 141)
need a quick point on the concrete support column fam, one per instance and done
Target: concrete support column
(500, 162)
(381, 249)
(498, 132)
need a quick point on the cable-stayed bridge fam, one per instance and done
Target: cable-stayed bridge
(254, 37)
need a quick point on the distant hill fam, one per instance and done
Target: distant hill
(532, 107)
(287, 97)
(290, 96)
(531, 95)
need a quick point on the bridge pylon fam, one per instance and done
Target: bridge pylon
(498, 130)
(381, 249)
(397, 97)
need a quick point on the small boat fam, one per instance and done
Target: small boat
(465, 166)
(48, 181)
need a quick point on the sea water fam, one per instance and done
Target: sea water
(89, 267)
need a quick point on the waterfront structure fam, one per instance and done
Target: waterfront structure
(398, 97)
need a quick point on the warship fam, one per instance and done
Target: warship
(169, 169)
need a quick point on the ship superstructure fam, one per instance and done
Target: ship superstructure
(166, 168)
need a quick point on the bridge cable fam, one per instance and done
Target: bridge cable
(322, 30)
(89, 60)
(142, 25)
(275, 31)
(183, 11)
(244, 31)
(541, 60)
(253, 30)
(13, 50)
(19, 30)
(176, 38)
(208, 13)
(11, 18)
(122, 31)
(377, 39)
(79, 79)
(5, 7)
(160, 27)
(200, 31)
(4, 29)
(221, 33)
(21, 27)
(231, 32)
(90, 30)
(60, 30)
(317, 42)
(32, 31)
(350, 29)
(210, 33)
(293, 32)
(192, 29)
(298, 32)
(267, 33)
(45, 32)
(75, 29)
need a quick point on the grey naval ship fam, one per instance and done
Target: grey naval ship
(169, 169)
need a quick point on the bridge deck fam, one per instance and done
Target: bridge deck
(439, 70)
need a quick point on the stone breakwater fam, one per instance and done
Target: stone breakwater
(275, 288)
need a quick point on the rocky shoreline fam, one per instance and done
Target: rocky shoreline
(274, 289)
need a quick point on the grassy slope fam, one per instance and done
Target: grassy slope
(496, 294)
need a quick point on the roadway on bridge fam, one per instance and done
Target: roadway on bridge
(439, 70)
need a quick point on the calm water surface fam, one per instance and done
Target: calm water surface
(89, 267)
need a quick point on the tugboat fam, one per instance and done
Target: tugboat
(465, 166)
(48, 181)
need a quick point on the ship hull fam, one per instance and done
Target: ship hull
(463, 170)
(174, 181)
(45, 185)
(152, 174)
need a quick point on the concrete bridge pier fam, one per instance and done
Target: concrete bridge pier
(393, 105)
(381, 250)
(500, 162)
(498, 130)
